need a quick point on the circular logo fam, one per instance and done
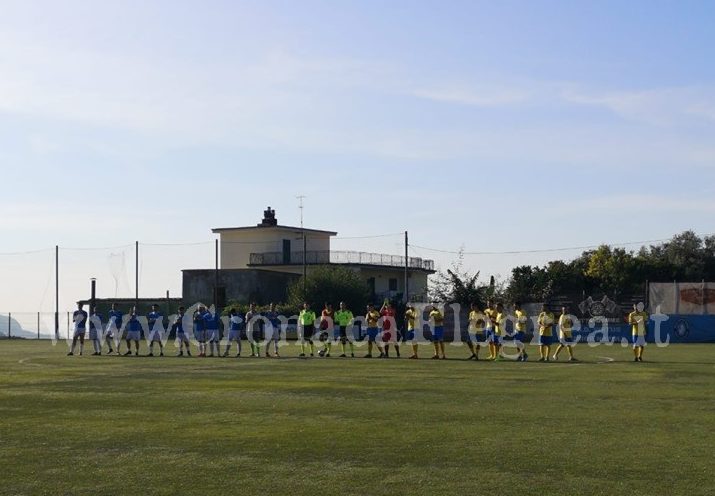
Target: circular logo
(682, 329)
(597, 309)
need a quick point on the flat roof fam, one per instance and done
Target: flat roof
(284, 228)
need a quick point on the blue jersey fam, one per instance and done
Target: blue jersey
(211, 321)
(235, 323)
(273, 319)
(153, 317)
(178, 325)
(95, 322)
(79, 317)
(199, 322)
(134, 325)
(115, 316)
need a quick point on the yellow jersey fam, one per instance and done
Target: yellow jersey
(437, 318)
(372, 318)
(638, 322)
(546, 324)
(500, 324)
(477, 322)
(565, 326)
(491, 317)
(522, 321)
(410, 317)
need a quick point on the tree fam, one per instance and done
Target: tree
(332, 285)
(455, 285)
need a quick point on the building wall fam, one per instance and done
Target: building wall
(235, 255)
(417, 280)
(245, 285)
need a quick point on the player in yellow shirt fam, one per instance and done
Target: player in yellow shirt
(638, 319)
(498, 333)
(566, 324)
(410, 318)
(437, 321)
(477, 331)
(520, 328)
(491, 314)
(372, 319)
(546, 333)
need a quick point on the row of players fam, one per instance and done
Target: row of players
(486, 328)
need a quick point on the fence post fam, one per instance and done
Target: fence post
(9, 325)
(38, 325)
(68, 325)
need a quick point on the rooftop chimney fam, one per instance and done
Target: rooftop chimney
(269, 218)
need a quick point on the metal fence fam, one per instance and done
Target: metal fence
(338, 257)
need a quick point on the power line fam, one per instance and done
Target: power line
(29, 252)
(545, 250)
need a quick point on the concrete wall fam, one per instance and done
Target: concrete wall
(261, 286)
(235, 255)
(417, 280)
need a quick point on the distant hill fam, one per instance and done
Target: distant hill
(17, 330)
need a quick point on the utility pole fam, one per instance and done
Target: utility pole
(407, 268)
(57, 292)
(136, 276)
(301, 206)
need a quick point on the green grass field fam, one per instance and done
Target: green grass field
(114, 425)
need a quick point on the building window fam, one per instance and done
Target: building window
(393, 284)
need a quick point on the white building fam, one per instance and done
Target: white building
(269, 246)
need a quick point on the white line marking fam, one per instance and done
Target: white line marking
(607, 360)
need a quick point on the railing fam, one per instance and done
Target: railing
(338, 257)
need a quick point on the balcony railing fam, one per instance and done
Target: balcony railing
(338, 257)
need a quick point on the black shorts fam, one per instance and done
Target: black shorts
(343, 332)
(308, 331)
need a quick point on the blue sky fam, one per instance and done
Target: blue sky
(496, 126)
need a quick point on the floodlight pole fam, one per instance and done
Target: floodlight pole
(407, 268)
(136, 276)
(57, 292)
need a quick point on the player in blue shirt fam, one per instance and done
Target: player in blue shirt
(212, 334)
(114, 328)
(200, 329)
(134, 332)
(234, 332)
(178, 329)
(79, 318)
(96, 331)
(274, 331)
(156, 330)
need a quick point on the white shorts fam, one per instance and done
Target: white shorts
(234, 335)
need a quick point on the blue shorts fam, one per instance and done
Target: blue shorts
(200, 336)
(546, 340)
(182, 337)
(567, 339)
(213, 336)
(481, 337)
(372, 333)
(410, 336)
(638, 341)
(93, 334)
(438, 334)
(496, 339)
(234, 335)
(133, 335)
(519, 337)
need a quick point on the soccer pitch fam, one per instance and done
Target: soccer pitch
(115, 425)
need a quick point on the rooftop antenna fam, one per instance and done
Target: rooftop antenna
(301, 207)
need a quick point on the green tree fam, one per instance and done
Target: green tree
(456, 285)
(332, 285)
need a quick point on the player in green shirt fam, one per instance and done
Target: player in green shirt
(306, 329)
(344, 319)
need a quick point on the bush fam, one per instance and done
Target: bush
(332, 285)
